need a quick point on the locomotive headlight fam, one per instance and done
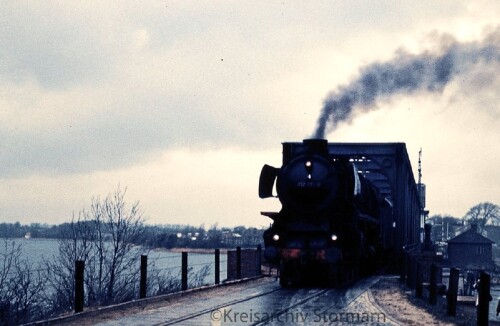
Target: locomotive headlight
(309, 167)
(276, 237)
(334, 237)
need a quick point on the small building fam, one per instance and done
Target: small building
(251, 261)
(470, 250)
(492, 232)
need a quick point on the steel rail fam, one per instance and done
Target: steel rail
(208, 310)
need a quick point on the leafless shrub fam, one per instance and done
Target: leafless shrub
(21, 286)
(198, 279)
(167, 282)
(103, 238)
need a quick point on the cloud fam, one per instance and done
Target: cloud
(96, 87)
(177, 187)
(58, 45)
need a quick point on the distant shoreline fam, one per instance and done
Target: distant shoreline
(174, 250)
(197, 250)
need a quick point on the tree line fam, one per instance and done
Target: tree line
(152, 236)
(483, 214)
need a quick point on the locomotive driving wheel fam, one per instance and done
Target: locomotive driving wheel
(290, 274)
(333, 275)
(284, 276)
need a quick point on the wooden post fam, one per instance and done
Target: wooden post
(404, 268)
(433, 285)
(144, 276)
(184, 271)
(79, 290)
(408, 271)
(451, 296)
(412, 275)
(483, 293)
(419, 289)
(217, 266)
(259, 260)
(238, 262)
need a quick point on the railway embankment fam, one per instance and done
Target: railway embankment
(400, 303)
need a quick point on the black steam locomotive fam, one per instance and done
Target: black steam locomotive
(329, 226)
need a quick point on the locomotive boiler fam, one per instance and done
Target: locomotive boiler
(330, 225)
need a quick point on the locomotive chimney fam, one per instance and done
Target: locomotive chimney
(312, 145)
(316, 145)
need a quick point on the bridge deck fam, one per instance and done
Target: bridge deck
(376, 301)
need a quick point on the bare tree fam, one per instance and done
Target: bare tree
(483, 214)
(9, 257)
(21, 286)
(103, 238)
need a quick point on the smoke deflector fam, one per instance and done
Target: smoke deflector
(266, 182)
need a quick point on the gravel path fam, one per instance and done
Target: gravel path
(401, 305)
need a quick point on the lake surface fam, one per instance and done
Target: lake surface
(38, 250)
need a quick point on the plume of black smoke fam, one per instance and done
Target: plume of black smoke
(405, 74)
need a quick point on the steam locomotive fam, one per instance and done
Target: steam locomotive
(330, 225)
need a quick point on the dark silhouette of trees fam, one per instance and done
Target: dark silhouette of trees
(482, 214)
(152, 236)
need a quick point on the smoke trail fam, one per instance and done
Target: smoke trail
(405, 74)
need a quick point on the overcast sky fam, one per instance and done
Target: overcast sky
(182, 102)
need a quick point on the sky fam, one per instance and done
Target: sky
(182, 102)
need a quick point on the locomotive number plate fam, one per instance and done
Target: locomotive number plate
(308, 184)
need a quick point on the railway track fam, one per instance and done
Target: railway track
(268, 306)
(284, 310)
(213, 309)
(219, 312)
(259, 302)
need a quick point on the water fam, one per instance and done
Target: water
(38, 250)
(34, 250)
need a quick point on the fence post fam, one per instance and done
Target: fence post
(419, 286)
(144, 276)
(184, 271)
(404, 267)
(79, 291)
(483, 293)
(451, 296)
(238, 262)
(433, 285)
(217, 266)
(259, 260)
(409, 271)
